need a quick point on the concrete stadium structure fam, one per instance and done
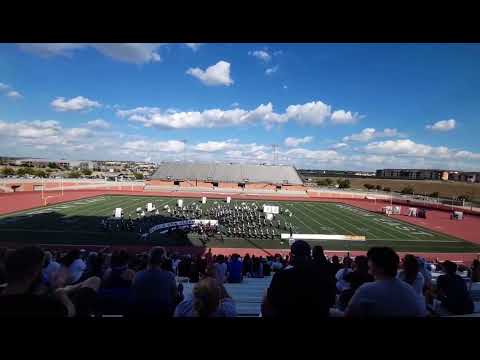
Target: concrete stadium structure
(227, 176)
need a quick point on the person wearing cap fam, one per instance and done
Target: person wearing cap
(301, 290)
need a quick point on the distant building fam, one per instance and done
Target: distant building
(428, 174)
(307, 173)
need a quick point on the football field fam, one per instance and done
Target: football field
(79, 223)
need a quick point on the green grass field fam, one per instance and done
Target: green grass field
(78, 222)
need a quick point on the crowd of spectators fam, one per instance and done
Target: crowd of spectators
(306, 283)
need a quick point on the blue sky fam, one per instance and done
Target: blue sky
(332, 106)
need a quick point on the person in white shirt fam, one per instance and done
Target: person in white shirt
(341, 275)
(220, 269)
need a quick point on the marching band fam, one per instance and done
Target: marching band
(245, 220)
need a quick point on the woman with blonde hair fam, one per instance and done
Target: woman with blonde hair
(209, 299)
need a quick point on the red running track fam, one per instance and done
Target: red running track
(437, 220)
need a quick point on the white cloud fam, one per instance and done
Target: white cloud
(194, 46)
(344, 117)
(9, 92)
(218, 74)
(467, 155)
(316, 155)
(153, 146)
(294, 142)
(214, 146)
(443, 125)
(136, 53)
(14, 95)
(230, 150)
(340, 145)
(368, 134)
(75, 104)
(42, 133)
(130, 52)
(285, 86)
(235, 104)
(75, 133)
(315, 112)
(99, 124)
(271, 70)
(195, 119)
(261, 55)
(51, 49)
(407, 147)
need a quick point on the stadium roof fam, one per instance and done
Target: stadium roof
(238, 173)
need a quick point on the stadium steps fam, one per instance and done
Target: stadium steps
(247, 295)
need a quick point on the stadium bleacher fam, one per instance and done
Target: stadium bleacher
(229, 173)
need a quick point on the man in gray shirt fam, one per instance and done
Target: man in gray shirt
(154, 289)
(387, 296)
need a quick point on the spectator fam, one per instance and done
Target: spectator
(118, 276)
(321, 261)
(195, 267)
(71, 270)
(341, 275)
(20, 298)
(184, 267)
(115, 294)
(175, 262)
(209, 299)
(300, 291)
(426, 272)
(475, 271)
(257, 267)
(154, 290)
(50, 268)
(202, 265)
(95, 266)
(220, 268)
(411, 274)
(336, 264)
(277, 264)
(167, 265)
(452, 291)
(235, 269)
(267, 269)
(387, 296)
(247, 266)
(356, 278)
(208, 257)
